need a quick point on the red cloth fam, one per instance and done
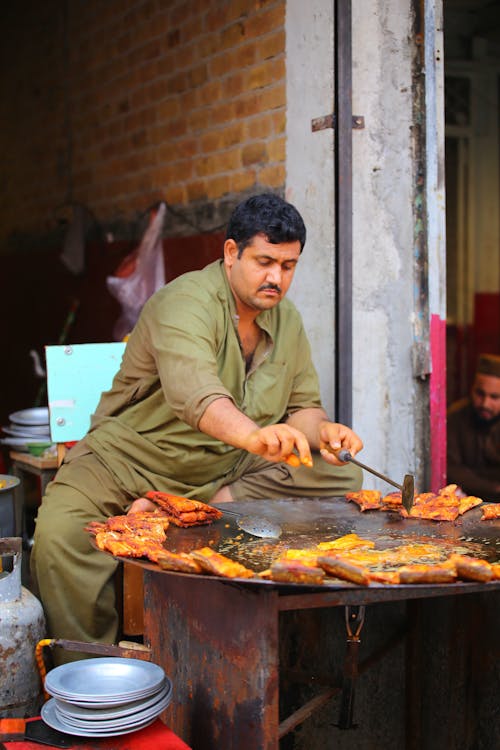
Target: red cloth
(156, 736)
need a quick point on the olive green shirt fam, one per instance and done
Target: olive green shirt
(183, 354)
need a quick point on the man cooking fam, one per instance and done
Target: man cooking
(474, 434)
(215, 391)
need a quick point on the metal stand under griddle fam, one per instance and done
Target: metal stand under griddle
(219, 640)
(219, 643)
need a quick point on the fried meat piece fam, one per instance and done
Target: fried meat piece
(420, 573)
(305, 556)
(390, 577)
(132, 535)
(295, 571)
(395, 556)
(94, 526)
(467, 503)
(490, 511)
(265, 574)
(142, 524)
(443, 499)
(495, 569)
(452, 490)
(196, 518)
(392, 501)
(184, 511)
(423, 498)
(446, 505)
(340, 545)
(128, 545)
(408, 552)
(434, 513)
(365, 499)
(432, 507)
(346, 542)
(220, 565)
(344, 569)
(180, 562)
(471, 568)
(359, 556)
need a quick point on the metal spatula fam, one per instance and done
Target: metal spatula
(407, 488)
(254, 525)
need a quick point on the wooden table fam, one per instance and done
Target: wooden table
(44, 468)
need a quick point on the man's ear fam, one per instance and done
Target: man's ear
(230, 252)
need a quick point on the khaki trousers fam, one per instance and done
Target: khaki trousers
(75, 582)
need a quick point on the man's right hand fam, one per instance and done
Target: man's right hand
(277, 442)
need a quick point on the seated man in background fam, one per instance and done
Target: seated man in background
(215, 390)
(474, 434)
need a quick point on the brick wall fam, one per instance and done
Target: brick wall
(117, 104)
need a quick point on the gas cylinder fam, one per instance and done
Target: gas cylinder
(22, 625)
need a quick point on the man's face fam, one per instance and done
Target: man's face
(260, 278)
(485, 396)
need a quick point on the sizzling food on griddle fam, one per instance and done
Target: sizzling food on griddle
(495, 569)
(468, 502)
(295, 571)
(153, 525)
(411, 564)
(181, 562)
(367, 499)
(419, 573)
(471, 568)
(345, 543)
(347, 558)
(133, 535)
(220, 565)
(345, 569)
(445, 505)
(491, 511)
(183, 511)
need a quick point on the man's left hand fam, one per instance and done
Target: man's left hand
(337, 436)
(142, 505)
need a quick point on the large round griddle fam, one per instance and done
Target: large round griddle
(306, 522)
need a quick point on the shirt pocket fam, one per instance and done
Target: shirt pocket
(267, 393)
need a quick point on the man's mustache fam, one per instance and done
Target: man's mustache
(273, 287)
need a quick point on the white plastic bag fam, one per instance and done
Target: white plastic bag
(139, 275)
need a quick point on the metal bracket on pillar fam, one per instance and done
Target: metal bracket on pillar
(329, 121)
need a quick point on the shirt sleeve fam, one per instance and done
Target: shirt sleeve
(185, 331)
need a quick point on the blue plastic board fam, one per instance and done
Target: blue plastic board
(76, 376)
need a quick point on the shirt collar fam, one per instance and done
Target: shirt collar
(264, 319)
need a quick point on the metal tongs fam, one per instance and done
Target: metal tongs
(407, 488)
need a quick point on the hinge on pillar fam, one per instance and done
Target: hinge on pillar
(328, 121)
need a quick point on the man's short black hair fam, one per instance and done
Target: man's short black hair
(269, 215)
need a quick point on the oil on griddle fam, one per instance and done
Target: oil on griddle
(307, 522)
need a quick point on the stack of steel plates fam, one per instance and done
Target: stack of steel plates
(105, 697)
(27, 427)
